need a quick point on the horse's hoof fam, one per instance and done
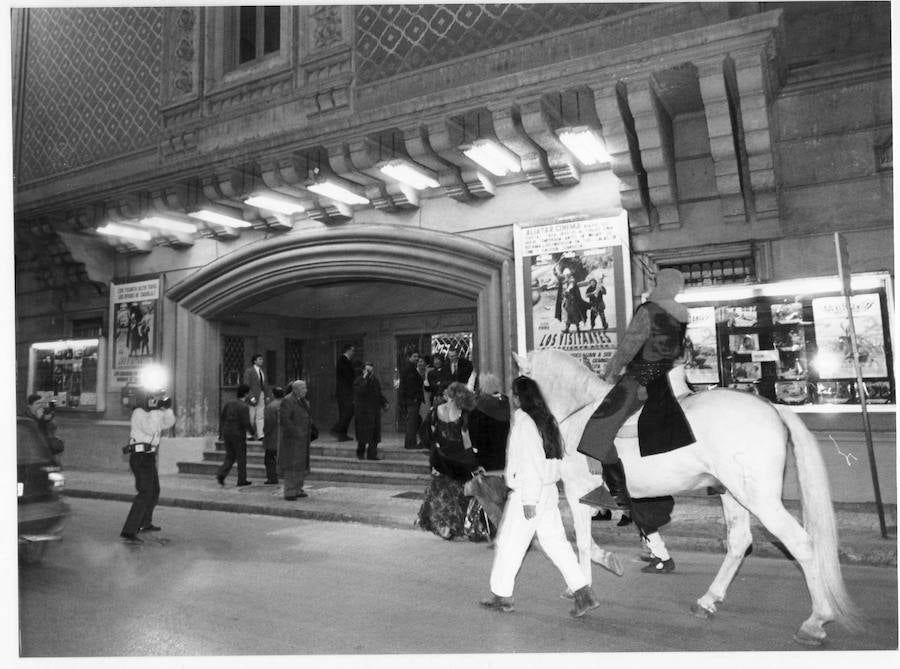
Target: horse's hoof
(805, 639)
(567, 594)
(699, 612)
(609, 561)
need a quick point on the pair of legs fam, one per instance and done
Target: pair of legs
(515, 535)
(367, 450)
(412, 425)
(270, 459)
(256, 415)
(345, 415)
(235, 451)
(293, 484)
(146, 481)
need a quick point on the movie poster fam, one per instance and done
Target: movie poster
(701, 350)
(133, 312)
(834, 359)
(575, 289)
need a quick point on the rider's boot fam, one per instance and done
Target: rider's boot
(614, 478)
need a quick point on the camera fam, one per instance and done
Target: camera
(155, 402)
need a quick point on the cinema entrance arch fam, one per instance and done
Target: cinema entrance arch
(293, 284)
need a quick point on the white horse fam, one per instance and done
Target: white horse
(742, 444)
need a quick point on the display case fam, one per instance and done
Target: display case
(70, 372)
(790, 341)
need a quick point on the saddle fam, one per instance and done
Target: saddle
(680, 389)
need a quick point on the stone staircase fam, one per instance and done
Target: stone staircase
(333, 461)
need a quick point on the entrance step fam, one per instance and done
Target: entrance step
(333, 460)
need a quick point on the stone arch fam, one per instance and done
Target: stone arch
(440, 261)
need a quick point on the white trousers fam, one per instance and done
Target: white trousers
(256, 415)
(515, 536)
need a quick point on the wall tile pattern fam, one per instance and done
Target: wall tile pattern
(393, 39)
(92, 87)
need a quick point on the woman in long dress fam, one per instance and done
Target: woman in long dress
(452, 461)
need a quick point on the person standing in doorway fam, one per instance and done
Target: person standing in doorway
(436, 379)
(411, 396)
(255, 379)
(344, 376)
(234, 424)
(457, 369)
(272, 440)
(296, 435)
(369, 402)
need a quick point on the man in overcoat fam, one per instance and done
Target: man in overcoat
(296, 435)
(272, 438)
(368, 403)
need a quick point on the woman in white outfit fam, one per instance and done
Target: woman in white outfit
(533, 459)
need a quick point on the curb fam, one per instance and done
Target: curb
(761, 547)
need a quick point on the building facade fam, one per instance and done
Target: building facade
(740, 137)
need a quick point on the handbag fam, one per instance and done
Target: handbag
(477, 526)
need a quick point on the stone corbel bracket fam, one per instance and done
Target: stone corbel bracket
(621, 144)
(364, 154)
(507, 120)
(341, 160)
(539, 120)
(292, 172)
(434, 145)
(653, 126)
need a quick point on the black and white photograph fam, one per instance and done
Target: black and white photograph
(434, 334)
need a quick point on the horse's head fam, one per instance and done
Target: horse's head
(567, 385)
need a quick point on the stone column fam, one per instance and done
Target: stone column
(197, 352)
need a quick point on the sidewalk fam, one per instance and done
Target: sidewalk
(697, 523)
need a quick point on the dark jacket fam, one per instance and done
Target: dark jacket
(235, 419)
(489, 430)
(411, 385)
(272, 425)
(296, 435)
(344, 376)
(368, 402)
(463, 372)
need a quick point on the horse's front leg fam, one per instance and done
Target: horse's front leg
(738, 540)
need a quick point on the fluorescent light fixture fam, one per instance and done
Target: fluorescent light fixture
(219, 219)
(493, 157)
(126, 231)
(331, 189)
(171, 224)
(585, 143)
(276, 204)
(789, 288)
(404, 172)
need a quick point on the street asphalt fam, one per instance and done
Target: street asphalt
(697, 523)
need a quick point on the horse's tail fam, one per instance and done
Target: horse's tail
(818, 518)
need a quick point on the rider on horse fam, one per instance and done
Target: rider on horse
(652, 343)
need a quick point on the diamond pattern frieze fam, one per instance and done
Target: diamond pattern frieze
(394, 39)
(92, 87)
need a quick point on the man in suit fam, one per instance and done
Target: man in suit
(296, 436)
(411, 396)
(344, 375)
(436, 379)
(255, 379)
(369, 403)
(456, 368)
(234, 424)
(272, 440)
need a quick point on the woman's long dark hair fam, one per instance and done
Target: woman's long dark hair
(531, 401)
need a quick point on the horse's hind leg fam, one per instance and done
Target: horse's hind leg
(799, 544)
(738, 540)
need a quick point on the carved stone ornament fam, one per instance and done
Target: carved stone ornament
(327, 29)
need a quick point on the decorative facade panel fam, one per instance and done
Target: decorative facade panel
(92, 87)
(393, 39)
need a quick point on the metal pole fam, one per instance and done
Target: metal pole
(844, 271)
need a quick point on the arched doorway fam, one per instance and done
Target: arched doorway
(463, 270)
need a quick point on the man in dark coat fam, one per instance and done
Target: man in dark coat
(234, 424)
(412, 395)
(272, 439)
(344, 376)
(296, 435)
(368, 403)
(436, 379)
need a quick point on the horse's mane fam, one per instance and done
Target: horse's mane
(566, 383)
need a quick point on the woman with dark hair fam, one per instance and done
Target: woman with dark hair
(452, 462)
(533, 460)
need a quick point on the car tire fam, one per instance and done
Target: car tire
(32, 552)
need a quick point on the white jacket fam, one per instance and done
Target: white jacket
(527, 469)
(147, 426)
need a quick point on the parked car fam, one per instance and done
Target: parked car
(42, 510)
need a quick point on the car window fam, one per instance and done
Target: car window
(30, 447)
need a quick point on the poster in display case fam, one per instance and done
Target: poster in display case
(70, 372)
(789, 341)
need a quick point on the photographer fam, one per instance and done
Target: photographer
(152, 415)
(44, 414)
